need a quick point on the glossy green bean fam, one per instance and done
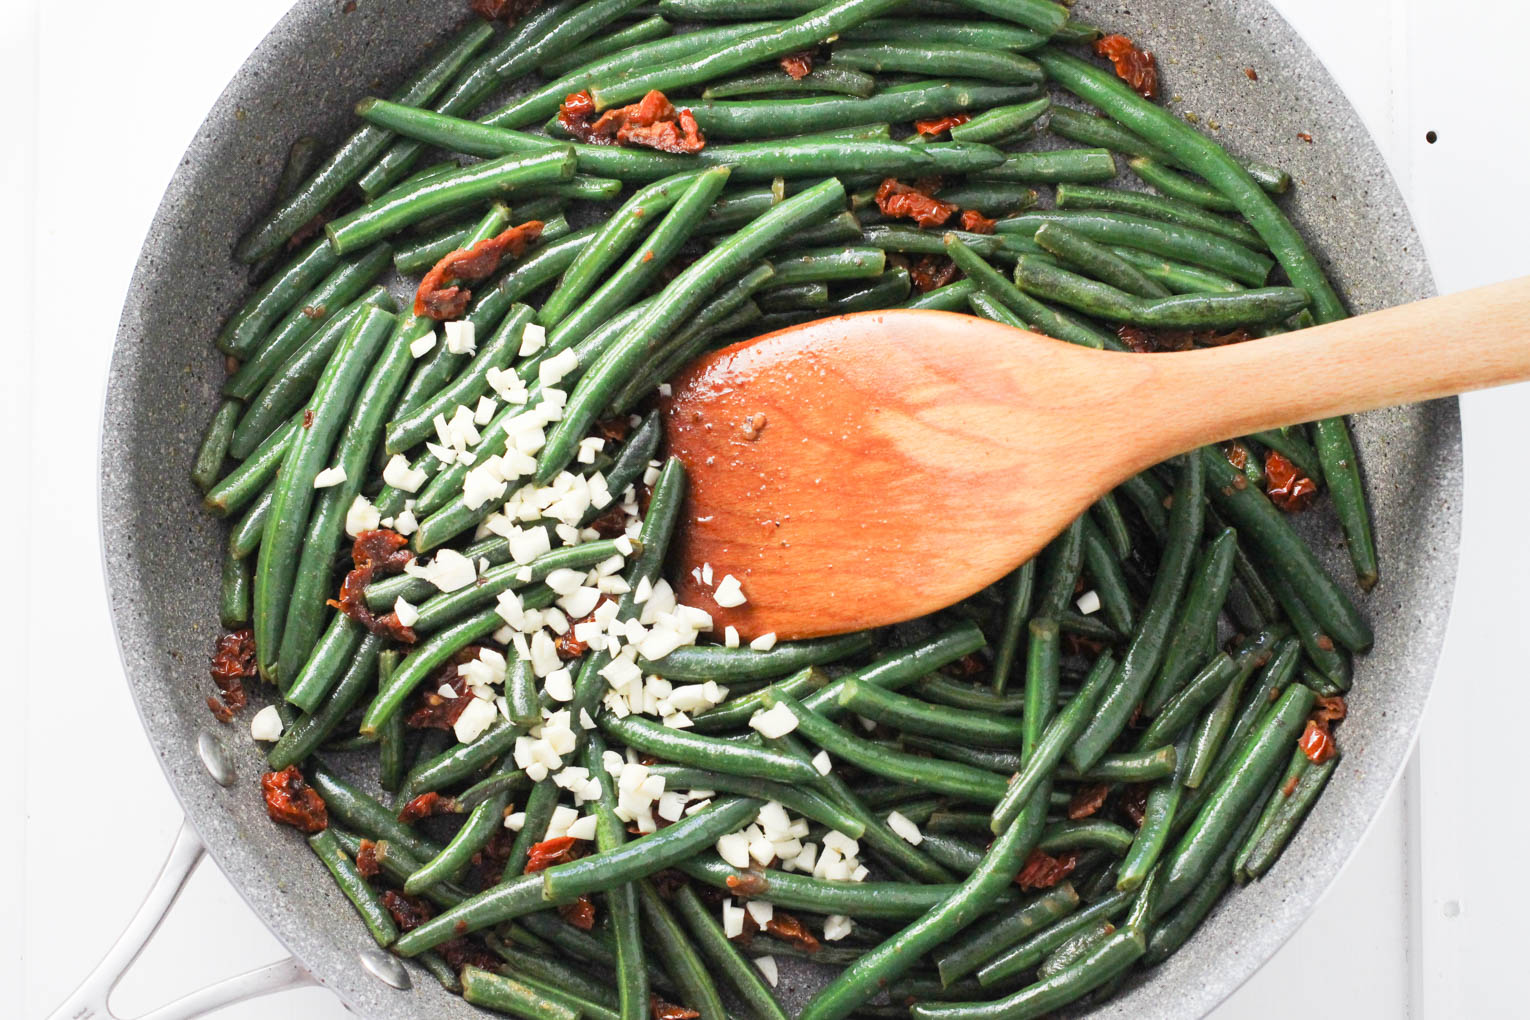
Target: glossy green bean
(423, 660)
(211, 455)
(1053, 166)
(368, 904)
(606, 43)
(1103, 566)
(1195, 629)
(1097, 261)
(791, 891)
(700, 751)
(274, 299)
(1000, 123)
(507, 995)
(354, 808)
(325, 664)
(914, 716)
(1171, 240)
(695, 663)
(234, 591)
(244, 538)
(1020, 591)
(757, 118)
(1172, 184)
(742, 976)
(1031, 312)
(822, 78)
(1170, 210)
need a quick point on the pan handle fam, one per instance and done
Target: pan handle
(89, 1001)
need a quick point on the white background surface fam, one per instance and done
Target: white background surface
(101, 99)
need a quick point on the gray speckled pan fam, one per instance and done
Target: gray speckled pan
(304, 78)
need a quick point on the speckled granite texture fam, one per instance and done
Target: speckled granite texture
(162, 550)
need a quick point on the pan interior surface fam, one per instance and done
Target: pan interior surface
(162, 549)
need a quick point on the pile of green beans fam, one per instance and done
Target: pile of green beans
(1119, 716)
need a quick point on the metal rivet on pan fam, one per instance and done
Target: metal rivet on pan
(386, 968)
(215, 758)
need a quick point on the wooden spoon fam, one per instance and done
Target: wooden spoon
(871, 468)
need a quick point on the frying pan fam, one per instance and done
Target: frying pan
(162, 550)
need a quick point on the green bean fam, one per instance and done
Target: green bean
(540, 103)
(1179, 277)
(1088, 129)
(1173, 185)
(843, 228)
(1329, 660)
(1017, 609)
(977, 894)
(914, 716)
(1290, 559)
(274, 299)
(682, 296)
(392, 742)
(862, 900)
(391, 212)
(1030, 311)
(903, 238)
(550, 31)
(829, 264)
(699, 751)
(398, 865)
(681, 960)
(645, 263)
(635, 34)
(532, 271)
(823, 78)
(342, 286)
(794, 297)
(537, 815)
(1291, 444)
(934, 57)
(418, 257)
(1056, 736)
(355, 888)
(325, 664)
(1001, 123)
(1104, 568)
(898, 668)
(1172, 240)
(507, 995)
(1061, 561)
(756, 118)
(312, 728)
(981, 34)
(213, 452)
(353, 807)
(291, 384)
(726, 10)
(1022, 956)
(1145, 652)
(742, 976)
(1287, 810)
(694, 663)
(973, 949)
(423, 660)
(992, 198)
(950, 851)
(1159, 811)
(486, 818)
(738, 206)
(1169, 934)
(1053, 166)
(923, 773)
(294, 495)
(1170, 210)
(306, 598)
(1074, 949)
(718, 61)
(610, 833)
(1180, 311)
(1211, 162)
(1207, 736)
(1226, 806)
(950, 298)
(1003, 762)
(234, 591)
(1100, 965)
(613, 237)
(1097, 261)
(347, 162)
(1196, 627)
(495, 354)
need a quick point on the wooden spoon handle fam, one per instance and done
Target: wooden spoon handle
(1419, 351)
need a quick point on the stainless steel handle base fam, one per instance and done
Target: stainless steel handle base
(90, 1000)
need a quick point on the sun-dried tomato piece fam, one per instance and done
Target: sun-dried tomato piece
(1317, 743)
(1290, 786)
(661, 1010)
(612, 522)
(897, 199)
(787, 928)
(580, 913)
(1305, 136)
(1135, 67)
(441, 294)
(366, 859)
(932, 271)
(291, 801)
(1043, 871)
(1145, 341)
(1236, 454)
(503, 10)
(233, 660)
(1088, 801)
(652, 122)
(1078, 644)
(940, 125)
(799, 65)
(1134, 803)
(668, 882)
(409, 912)
(615, 428)
(1287, 487)
(380, 552)
(976, 223)
(1330, 709)
(468, 951)
(552, 851)
(748, 884)
(432, 710)
(425, 806)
